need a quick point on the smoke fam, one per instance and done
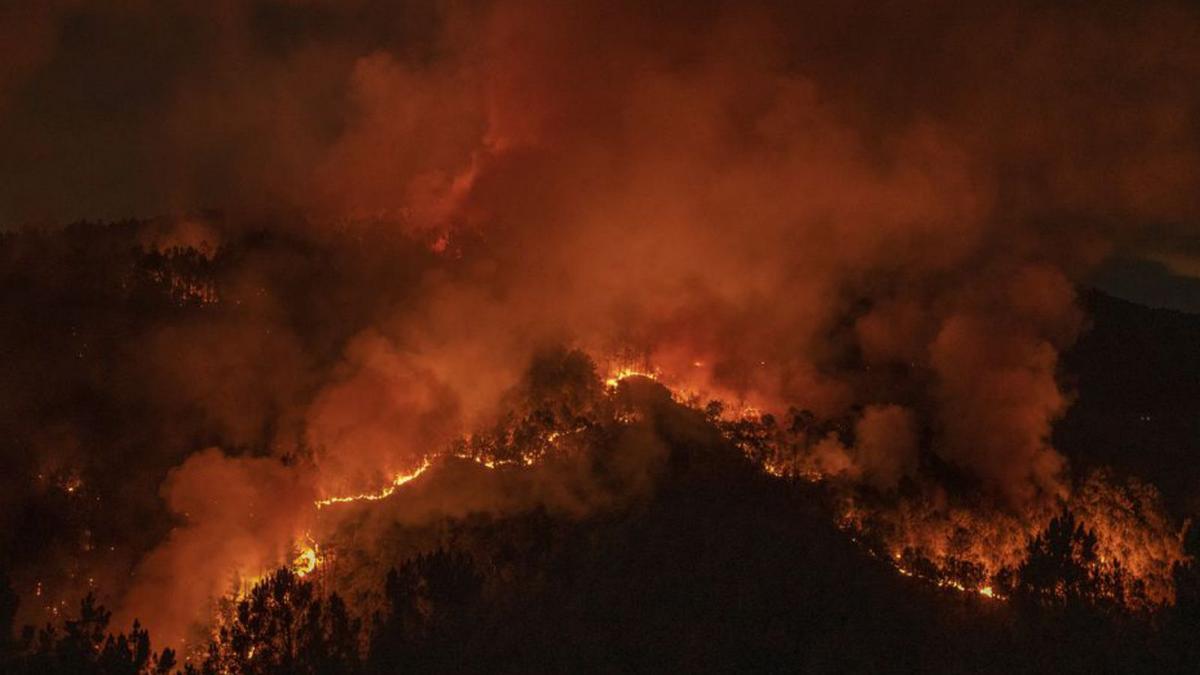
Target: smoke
(874, 214)
(238, 518)
(381, 415)
(887, 444)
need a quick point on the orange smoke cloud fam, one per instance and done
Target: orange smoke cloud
(382, 416)
(239, 517)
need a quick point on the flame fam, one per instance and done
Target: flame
(397, 481)
(985, 591)
(307, 561)
(624, 372)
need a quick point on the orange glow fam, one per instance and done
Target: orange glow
(308, 560)
(615, 376)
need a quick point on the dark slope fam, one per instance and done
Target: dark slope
(721, 568)
(1136, 376)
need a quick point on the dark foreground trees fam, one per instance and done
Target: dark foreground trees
(284, 627)
(689, 583)
(432, 604)
(84, 645)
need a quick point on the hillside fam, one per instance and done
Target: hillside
(1136, 376)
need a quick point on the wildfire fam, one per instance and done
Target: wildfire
(307, 561)
(926, 537)
(623, 372)
(1122, 516)
(397, 481)
(985, 591)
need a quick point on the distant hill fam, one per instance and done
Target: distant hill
(1136, 375)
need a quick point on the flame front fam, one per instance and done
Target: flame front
(387, 491)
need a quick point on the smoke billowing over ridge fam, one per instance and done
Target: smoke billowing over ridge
(880, 217)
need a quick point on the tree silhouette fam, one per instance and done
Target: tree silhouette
(1062, 568)
(432, 600)
(284, 627)
(86, 647)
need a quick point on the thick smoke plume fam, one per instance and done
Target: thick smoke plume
(873, 214)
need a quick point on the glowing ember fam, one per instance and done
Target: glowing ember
(71, 484)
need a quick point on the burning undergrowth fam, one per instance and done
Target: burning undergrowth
(935, 524)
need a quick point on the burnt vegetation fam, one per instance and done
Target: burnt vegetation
(709, 565)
